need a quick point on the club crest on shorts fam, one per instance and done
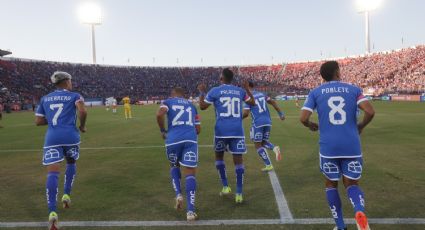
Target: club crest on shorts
(355, 167)
(51, 154)
(241, 144)
(190, 157)
(330, 168)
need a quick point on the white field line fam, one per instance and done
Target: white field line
(282, 204)
(389, 221)
(103, 148)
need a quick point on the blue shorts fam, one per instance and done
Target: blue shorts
(260, 134)
(334, 168)
(232, 145)
(57, 154)
(184, 153)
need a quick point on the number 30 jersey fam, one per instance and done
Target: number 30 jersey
(336, 104)
(59, 109)
(228, 103)
(182, 117)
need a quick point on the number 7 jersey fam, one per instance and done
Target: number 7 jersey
(336, 104)
(182, 118)
(60, 111)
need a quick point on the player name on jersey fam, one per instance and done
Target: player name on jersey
(229, 91)
(57, 98)
(335, 90)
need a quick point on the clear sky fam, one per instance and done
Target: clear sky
(220, 32)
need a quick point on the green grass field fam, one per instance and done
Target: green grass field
(132, 183)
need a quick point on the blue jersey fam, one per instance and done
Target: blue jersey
(260, 112)
(228, 103)
(59, 109)
(336, 104)
(182, 117)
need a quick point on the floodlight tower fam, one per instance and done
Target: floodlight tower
(365, 6)
(91, 14)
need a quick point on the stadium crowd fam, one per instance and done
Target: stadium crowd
(401, 71)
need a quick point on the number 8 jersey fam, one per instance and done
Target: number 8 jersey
(228, 103)
(336, 104)
(59, 109)
(182, 119)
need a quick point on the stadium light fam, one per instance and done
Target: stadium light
(365, 6)
(91, 14)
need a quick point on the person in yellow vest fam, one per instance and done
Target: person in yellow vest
(127, 107)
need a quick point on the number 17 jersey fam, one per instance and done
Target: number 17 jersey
(336, 104)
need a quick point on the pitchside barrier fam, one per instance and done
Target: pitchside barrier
(398, 97)
(406, 98)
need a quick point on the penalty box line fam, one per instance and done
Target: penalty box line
(311, 221)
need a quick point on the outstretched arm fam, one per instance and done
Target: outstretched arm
(277, 108)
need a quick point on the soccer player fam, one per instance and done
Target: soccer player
(261, 125)
(181, 143)
(114, 105)
(297, 101)
(127, 107)
(107, 103)
(229, 134)
(340, 151)
(59, 111)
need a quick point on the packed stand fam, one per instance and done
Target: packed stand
(27, 80)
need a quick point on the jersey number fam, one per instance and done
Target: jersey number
(180, 113)
(232, 105)
(337, 109)
(59, 108)
(261, 103)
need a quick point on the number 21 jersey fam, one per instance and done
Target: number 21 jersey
(182, 119)
(336, 104)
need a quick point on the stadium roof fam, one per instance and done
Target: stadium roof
(4, 53)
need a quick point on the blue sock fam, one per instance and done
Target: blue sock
(70, 172)
(263, 154)
(221, 168)
(334, 202)
(52, 190)
(240, 170)
(356, 196)
(190, 192)
(268, 145)
(175, 179)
